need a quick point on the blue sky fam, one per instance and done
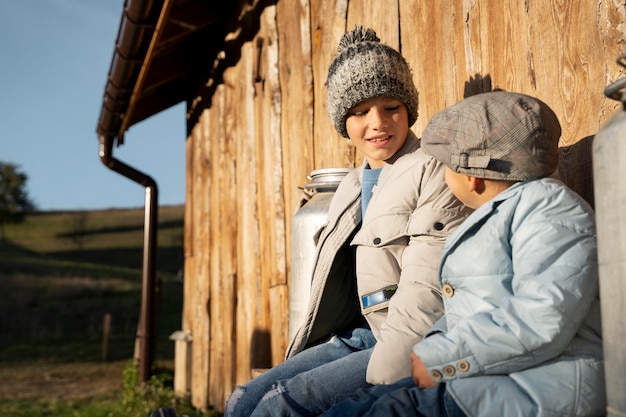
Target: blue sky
(54, 61)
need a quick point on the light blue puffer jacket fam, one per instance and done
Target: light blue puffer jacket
(521, 335)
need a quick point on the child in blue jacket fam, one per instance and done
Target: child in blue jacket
(521, 333)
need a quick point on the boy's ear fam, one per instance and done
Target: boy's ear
(475, 184)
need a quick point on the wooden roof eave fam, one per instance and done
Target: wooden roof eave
(160, 45)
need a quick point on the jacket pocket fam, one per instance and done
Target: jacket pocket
(434, 222)
(382, 231)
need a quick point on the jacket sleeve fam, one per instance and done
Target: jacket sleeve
(416, 304)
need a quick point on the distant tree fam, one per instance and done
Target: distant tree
(14, 200)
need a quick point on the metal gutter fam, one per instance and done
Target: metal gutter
(138, 28)
(147, 60)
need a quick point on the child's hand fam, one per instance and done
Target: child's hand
(421, 376)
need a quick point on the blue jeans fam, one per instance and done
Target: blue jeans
(310, 382)
(401, 399)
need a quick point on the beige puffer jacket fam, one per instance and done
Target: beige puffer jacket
(411, 213)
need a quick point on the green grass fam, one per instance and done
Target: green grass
(61, 274)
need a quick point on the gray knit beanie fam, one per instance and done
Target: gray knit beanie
(365, 68)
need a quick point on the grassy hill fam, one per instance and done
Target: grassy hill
(61, 274)
(63, 271)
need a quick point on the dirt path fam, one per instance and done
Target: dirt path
(60, 381)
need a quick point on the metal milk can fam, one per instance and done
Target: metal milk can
(609, 160)
(306, 222)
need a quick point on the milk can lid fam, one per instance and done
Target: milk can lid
(326, 178)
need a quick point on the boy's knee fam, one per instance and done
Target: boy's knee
(278, 402)
(273, 403)
(277, 389)
(232, 400)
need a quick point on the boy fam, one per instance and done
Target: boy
(374, 289)
(521, 333)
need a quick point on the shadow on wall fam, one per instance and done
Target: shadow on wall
(477, 84)
(576, 168)
(260, 350)
(246, 27)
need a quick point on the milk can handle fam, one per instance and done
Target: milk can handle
(615, 90)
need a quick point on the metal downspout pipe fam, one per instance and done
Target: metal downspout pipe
(146, 319)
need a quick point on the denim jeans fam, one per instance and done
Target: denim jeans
(308, 383)
(401, 399)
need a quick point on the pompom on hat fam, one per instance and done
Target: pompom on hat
(365, 68)
(497, 135)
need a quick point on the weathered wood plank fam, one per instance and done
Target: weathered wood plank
(222, 252)
(296, 80)
(200, 328)
(295, 75)
(423, 50)
(182, 383)
(273, 228)
(328, 23)
(252, 351)
(380, 15)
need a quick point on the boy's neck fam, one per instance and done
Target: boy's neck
(490, 189)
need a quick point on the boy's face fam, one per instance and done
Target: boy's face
(378, 127)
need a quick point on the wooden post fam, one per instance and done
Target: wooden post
(182, 362)
(106, 331)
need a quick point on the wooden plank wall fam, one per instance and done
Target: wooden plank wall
(266, 128)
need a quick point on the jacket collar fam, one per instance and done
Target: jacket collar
(411, 144)
(482, 212)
